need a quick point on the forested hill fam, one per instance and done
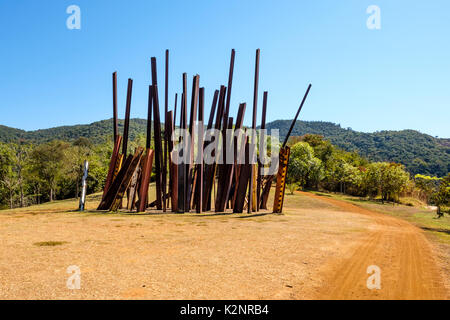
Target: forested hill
(420, 153)
(96, 132)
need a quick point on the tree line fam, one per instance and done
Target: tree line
(419, 153)
(32, 174)
(35, 173)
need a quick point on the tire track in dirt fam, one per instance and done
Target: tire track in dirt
(401, 250)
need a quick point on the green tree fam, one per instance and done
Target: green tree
(394, 180)
(371, 182)
(47, 162)
(75, 156)
(442, 196)
(8, 178)
(304, 168)
(427, 185)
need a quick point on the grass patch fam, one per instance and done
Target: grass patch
(49, 243)
(423, 218)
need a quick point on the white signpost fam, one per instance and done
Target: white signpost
(84, 185)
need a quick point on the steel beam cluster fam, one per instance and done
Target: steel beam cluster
(231, 181)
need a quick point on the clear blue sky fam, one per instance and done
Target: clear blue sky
(393, 78)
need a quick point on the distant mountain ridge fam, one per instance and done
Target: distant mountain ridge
(97, 132)
(419, 152)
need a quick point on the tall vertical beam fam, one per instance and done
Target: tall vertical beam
(149, 117)
(166, 137)
(173, 172)
(244, 178)
(199, 183)
(182, 175)
(206, 142)
(263, 141)
(255, 104)
(234, 149)
(148, 159)
(145, 180)
(127, 118)
(160, 185)
(166, 87)
(158, 149)
(224, 168)
(240, 154)
(175, 111)
(115, 125)
(193, 116)
(210, 169)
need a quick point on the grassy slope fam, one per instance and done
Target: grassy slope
(426, 219)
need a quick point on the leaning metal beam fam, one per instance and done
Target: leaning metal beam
(127, 118)
(253, 144)
(115, 125)
(263, 142)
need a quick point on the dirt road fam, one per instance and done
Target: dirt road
(399, 249)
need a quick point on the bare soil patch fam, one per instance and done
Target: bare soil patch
(210, 256)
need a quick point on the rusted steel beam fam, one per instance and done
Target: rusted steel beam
(283, 163)
(281, 180)
(112, 165)
(263, 142)
(173, 172)
(230, 85)
(115, 125)
(234, 148)
(193, 116)
(174, 195)
(213, 109)
(136, 158)
(127, 118)
(199, 179)
(160, 184)
(182, 175)
(133, 188)
(145, 177)
(266, 190)
(175, 110)
(240, 155)
(223, 168)
(145, 180)
(119, 163)
(207, 204)
(244, 178)
(210, 168)
(149, 118)
(166, 151)
(113, 198)
(253, 145)
(224, 173)
(110, 195)
(166, 87)
(160, 204)
(296, 116)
